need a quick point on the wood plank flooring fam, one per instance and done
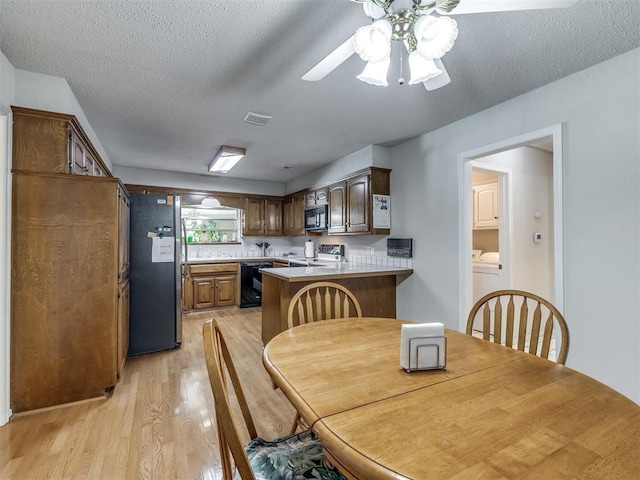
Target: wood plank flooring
(159, 422)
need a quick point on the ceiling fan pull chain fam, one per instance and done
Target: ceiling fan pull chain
(401, 79)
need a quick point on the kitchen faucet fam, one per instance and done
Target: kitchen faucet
(263, 247)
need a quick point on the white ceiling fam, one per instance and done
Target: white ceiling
(165, 83)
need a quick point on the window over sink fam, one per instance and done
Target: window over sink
(204, 225)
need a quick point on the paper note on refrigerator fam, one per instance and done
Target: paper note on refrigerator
(163, 249)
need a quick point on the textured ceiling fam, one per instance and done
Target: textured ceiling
(165, 83)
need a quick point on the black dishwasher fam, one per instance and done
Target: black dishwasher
(251, 283)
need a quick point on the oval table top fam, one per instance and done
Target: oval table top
(494, 413)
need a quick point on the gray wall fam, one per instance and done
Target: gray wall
(369, 156)
(164, 178)
(600, 111)
(44, 92)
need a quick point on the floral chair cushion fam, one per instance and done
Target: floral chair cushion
(294, 457)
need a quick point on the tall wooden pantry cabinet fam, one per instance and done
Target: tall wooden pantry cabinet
(69, 265)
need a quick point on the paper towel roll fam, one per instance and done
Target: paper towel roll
(427, 358)
(308, 249)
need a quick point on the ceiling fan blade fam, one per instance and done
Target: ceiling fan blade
(439, 81)
(331, 61)
(482, 6)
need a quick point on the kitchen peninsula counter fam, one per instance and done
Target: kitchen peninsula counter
(373, 285)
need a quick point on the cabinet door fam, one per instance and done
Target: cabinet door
(293, 215)
(337, 208)
(287, 217)
(273, 218)
(98, 171)
(40, 144)
(89, 163)
(310, 199)
(225, 290)
(297, 215)
(321, 196)
(123, 233)
(358, 204)
(123, 324)
(77, 151)
(203, 296)
(253, 217)
(485, 206)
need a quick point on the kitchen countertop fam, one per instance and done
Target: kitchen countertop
(334, 270)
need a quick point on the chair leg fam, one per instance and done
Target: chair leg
(298, 422)
(294, 427)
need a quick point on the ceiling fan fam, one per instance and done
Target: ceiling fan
(424, 29)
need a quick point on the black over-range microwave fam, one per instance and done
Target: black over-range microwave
(315, 219)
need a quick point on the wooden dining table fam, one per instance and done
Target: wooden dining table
(493, 413)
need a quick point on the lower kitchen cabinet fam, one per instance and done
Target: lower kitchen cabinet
(203, 288)
(213, 285)
(224, 291)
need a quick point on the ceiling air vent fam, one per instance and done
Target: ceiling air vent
(257, 119)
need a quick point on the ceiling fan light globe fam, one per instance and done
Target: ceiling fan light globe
(422, 68)
(376, 73)
(435, 35)
(373, 42)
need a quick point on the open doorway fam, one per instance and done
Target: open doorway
(529, 215)
(491, 231)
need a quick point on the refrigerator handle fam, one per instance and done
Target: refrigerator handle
(184, 235)
(179, 265)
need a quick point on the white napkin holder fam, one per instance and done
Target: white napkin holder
(423, 346)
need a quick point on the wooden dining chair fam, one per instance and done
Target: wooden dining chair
(293, 456)
(533, 331)
(322, 301)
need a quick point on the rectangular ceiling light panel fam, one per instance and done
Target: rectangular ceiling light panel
(225, 159)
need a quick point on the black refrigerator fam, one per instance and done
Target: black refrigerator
(155, 322)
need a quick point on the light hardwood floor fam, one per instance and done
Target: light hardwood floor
(159, 422)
